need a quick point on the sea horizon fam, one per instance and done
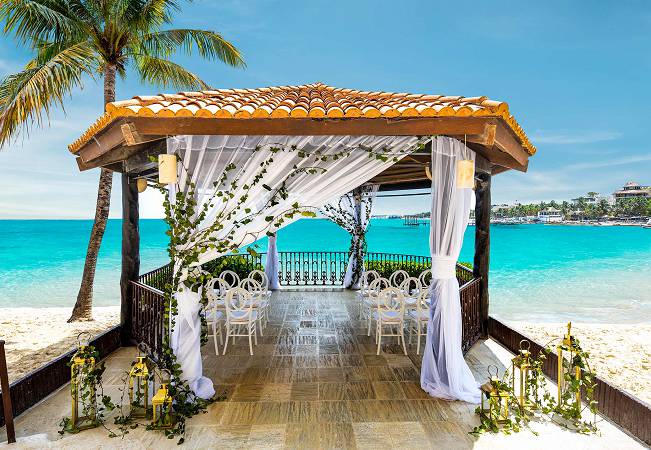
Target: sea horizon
(538, 273)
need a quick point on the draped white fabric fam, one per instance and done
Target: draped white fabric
(363, 217)
(445, 373)
(204, 159)
(273, 263)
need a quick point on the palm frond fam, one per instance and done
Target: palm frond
(166, 74)
(155, 13)
(27, 95)
(33, 20)
(209, 44)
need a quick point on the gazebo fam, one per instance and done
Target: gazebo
(424, 139)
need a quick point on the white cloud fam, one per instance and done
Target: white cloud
(585, 137)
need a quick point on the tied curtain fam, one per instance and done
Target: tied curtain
(206, 159)
(358, 205)
(273, 264)
(445, 373)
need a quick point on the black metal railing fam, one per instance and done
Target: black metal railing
(312, 268)
(470, 298)
(148, 317)
(157, 278)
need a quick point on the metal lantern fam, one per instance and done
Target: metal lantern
(139, 384)
(162, 404)
(495, 398)
(566, 369)
(527, 392)
(83, 416)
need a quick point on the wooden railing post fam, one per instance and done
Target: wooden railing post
(6, 396)
(130, 253)
(482, 237)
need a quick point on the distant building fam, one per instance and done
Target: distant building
(593, 198)
(550, 215)
(632, 190)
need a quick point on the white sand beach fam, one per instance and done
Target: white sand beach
(619, 354)
(35, 336)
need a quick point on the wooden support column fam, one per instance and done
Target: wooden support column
(130, 253)
(482, 236)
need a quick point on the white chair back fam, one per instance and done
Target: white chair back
(238, 304)
(391, 304)
(230, 277)
(397, 278)
(216, 290)
(411, 287)
(423, 302)
(368, 277)
(254, 288)
(425, 278)
(260, 277)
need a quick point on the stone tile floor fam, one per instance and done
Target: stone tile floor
(315, 381)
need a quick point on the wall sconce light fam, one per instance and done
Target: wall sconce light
(167, 169)
(465, 174)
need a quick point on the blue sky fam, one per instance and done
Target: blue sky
(575, 74)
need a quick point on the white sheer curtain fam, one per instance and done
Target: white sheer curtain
(203, 161)
(273, 263)
(357, 208)
(445, 373)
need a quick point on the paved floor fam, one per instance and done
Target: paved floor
(314, 382)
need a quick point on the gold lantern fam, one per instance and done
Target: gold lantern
(495, 398)
(84, 402)
(162, 404)
(566, 369)
(167, 169)
(527, 394)
(139, 384)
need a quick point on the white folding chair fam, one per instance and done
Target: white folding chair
(231, 278)
(411, 289)
(240, 316)
(390, 314)
(263, 279)
(258, 300)
(367, 278)
(397, 278)
(425, 278)
(370, 301)
(418, 318)
(216, 308)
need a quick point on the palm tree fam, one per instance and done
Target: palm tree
(73, 39)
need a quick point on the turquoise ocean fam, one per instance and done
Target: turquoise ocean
(538, 272)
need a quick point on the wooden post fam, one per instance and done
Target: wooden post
(6, 396)
(482, 237)
(130, 253)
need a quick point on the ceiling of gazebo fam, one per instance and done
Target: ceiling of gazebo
(131, 127)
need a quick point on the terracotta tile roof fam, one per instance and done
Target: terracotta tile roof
(307, 101)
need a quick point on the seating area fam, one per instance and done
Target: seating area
(314, 381)
(241, 307)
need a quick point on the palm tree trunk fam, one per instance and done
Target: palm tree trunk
(83, 309)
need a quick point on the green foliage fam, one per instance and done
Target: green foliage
(413, 268)
(72, 40)
(567, 413)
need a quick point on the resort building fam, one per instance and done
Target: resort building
(550, 215)
(592, 198)
(632, 190)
